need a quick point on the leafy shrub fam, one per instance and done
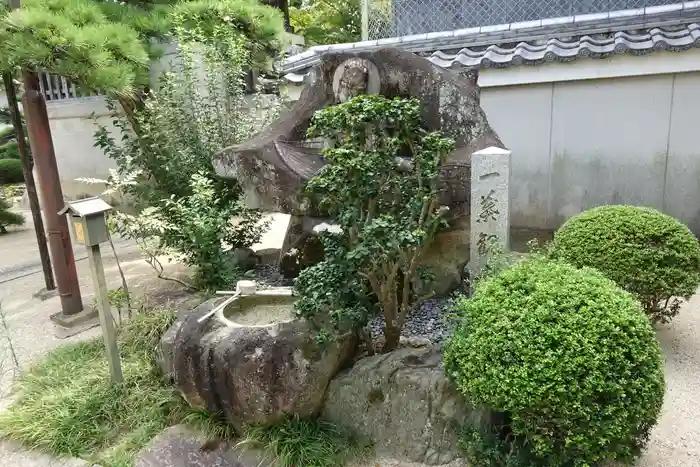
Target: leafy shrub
(565, 357)
(326, 21)
(387, 210)
(13, 191)
(198, 229)
(650, 254)
(257, 26)
(7, 132)
(8, 218)
(11, 171)
(197, 109)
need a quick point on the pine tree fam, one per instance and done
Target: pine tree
(108, 45)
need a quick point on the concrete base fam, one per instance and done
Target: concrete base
(43, 294)
(70, 325)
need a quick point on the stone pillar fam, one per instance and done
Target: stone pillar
(490, 206)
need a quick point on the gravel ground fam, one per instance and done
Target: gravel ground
(269, 276)
(675, 442)
(429, 321)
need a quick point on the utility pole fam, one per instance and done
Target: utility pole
(52, 196)
(11, 93)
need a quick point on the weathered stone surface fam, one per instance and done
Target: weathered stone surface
(307, 252)
(490, 223)
(254, 374)
(404, 403)
(164, 351)
(180, 446)
(445, 258)
(270, 247)
(302, 247)
(274, 164)
(244, 258)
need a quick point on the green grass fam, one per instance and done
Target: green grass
(67, 406)
(297, 442)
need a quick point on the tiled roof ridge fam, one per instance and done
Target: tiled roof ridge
(656, 39)
(652, 19)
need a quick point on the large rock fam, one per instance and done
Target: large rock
(404, 403)
(254, 374)
(446, 259)
(164, 352)
(273, 165)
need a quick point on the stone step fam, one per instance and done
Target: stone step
(181, 446)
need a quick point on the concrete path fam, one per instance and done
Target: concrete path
(27, 318)
(675, 441)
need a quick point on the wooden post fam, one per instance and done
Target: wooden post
(109, 333)
(27, 166)
(51, 195)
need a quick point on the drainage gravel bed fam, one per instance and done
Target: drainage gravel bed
(431, 321)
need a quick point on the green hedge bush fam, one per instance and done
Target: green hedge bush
(9, 150)
(8, 218)
(567, 360)
(11, 171)
(650, 254)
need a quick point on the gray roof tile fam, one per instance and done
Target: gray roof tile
(672, 27)
(585, 46)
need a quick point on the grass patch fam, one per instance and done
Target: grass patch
(298, 442)
(67, 406)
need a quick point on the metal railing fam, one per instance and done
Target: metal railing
(56, 88)
(393, 18)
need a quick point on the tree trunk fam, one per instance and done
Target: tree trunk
(130, 106)
(392, 336)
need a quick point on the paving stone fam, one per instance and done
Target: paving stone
(180, 446)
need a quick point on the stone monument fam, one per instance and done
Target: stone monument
(490, 199)
(273, 165)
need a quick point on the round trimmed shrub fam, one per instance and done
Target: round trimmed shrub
(565, 358)
(11, 171)
(646, 252)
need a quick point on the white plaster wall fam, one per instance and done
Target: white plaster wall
(682, 187)
(530, 143)
(579, 144)
(582, 134)
(72, 130)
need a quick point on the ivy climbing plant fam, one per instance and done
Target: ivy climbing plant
(381, 186)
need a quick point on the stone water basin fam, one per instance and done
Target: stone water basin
(263, 308)
(251, 360)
